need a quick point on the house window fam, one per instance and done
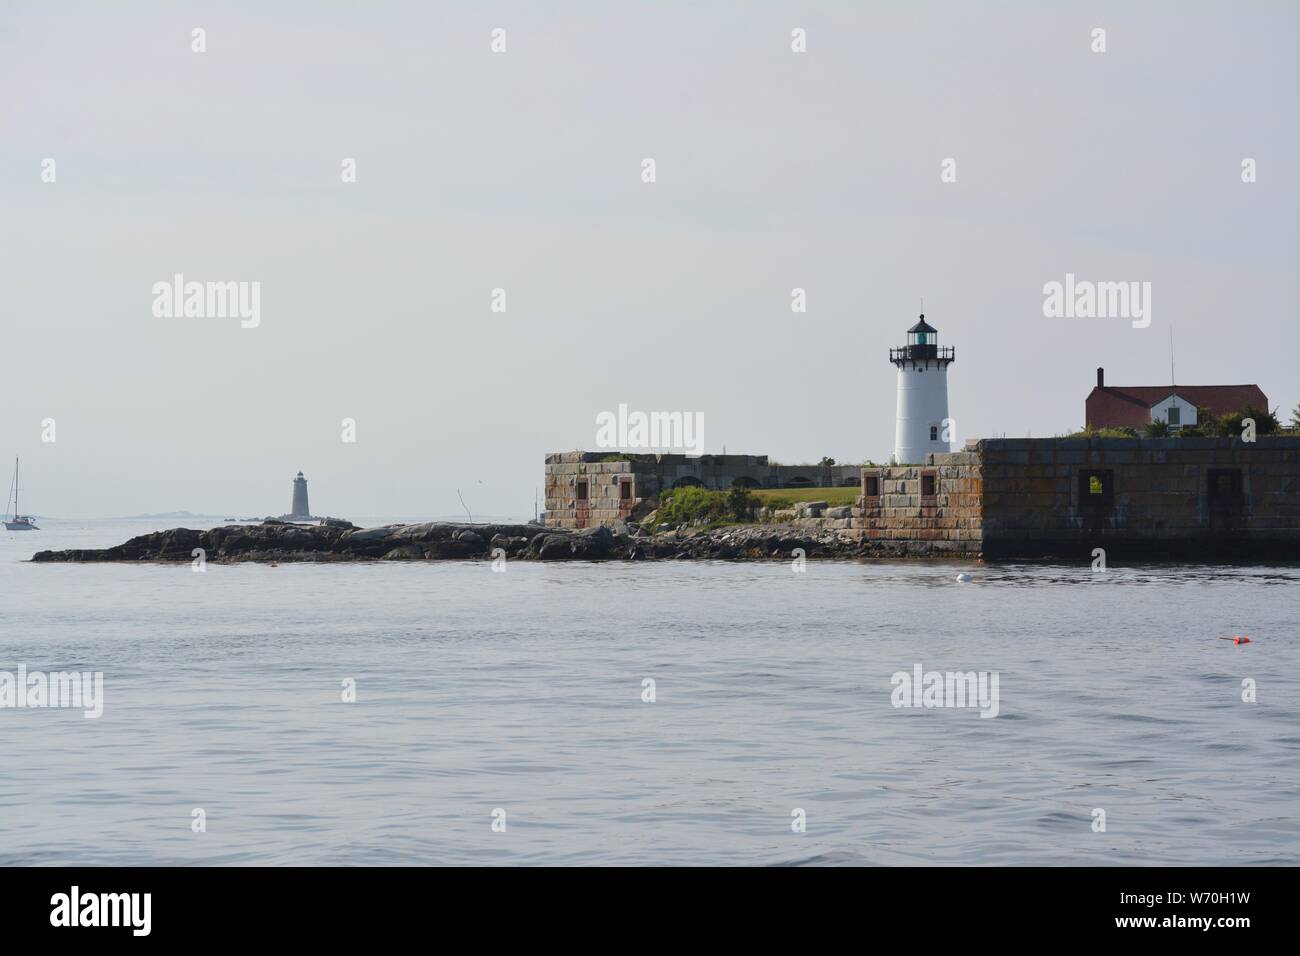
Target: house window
(625, 490)
(1225, 488)
(1096, 489)
(871, 486)
(1175, 415)
(928, 485)
(582, 491)
(934, 433)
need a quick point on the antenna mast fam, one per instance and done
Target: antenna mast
(1171, 355)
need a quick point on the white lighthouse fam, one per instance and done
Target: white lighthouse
(923, 425)
(301, 510)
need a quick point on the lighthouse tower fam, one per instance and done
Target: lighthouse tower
(922, 395)
(300, 509)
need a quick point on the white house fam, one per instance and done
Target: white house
(1175, 410)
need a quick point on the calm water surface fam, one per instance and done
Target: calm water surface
(522, 691)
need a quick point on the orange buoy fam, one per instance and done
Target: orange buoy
(1237, 639)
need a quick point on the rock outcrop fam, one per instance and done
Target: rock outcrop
(278, 541)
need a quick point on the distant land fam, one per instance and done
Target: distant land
(166, 514)
(148, 517)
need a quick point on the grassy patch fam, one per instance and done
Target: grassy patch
(786, 497)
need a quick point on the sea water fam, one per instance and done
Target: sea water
(646, 713)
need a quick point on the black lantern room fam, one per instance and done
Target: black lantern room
(922, 346)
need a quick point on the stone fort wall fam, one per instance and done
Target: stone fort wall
(1186, 498)
(585, 488)
(1181, 498)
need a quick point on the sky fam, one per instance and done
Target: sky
(523, 171)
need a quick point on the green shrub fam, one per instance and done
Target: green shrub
(1207, 425)
(1108, 432)
(1266, 423)
(696, 505)
(741, 503)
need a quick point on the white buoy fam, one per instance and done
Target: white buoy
(963, 578)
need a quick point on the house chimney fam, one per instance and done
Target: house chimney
(1101, 378)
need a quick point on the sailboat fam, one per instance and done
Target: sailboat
(19, 522)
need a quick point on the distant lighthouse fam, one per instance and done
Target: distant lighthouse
(922, 425)
(300, 509)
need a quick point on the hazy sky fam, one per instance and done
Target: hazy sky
(522, 171)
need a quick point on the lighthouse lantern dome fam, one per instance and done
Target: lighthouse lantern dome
(923, 333)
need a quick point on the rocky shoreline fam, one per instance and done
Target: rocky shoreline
(277, 541)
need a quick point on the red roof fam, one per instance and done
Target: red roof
(1117, 406)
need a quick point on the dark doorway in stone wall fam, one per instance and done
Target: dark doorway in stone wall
(1097, 490)
(1224, 489)
(582, 506)
(929, 484)
(1096, 499)
(799, 481)
(1226, 497)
